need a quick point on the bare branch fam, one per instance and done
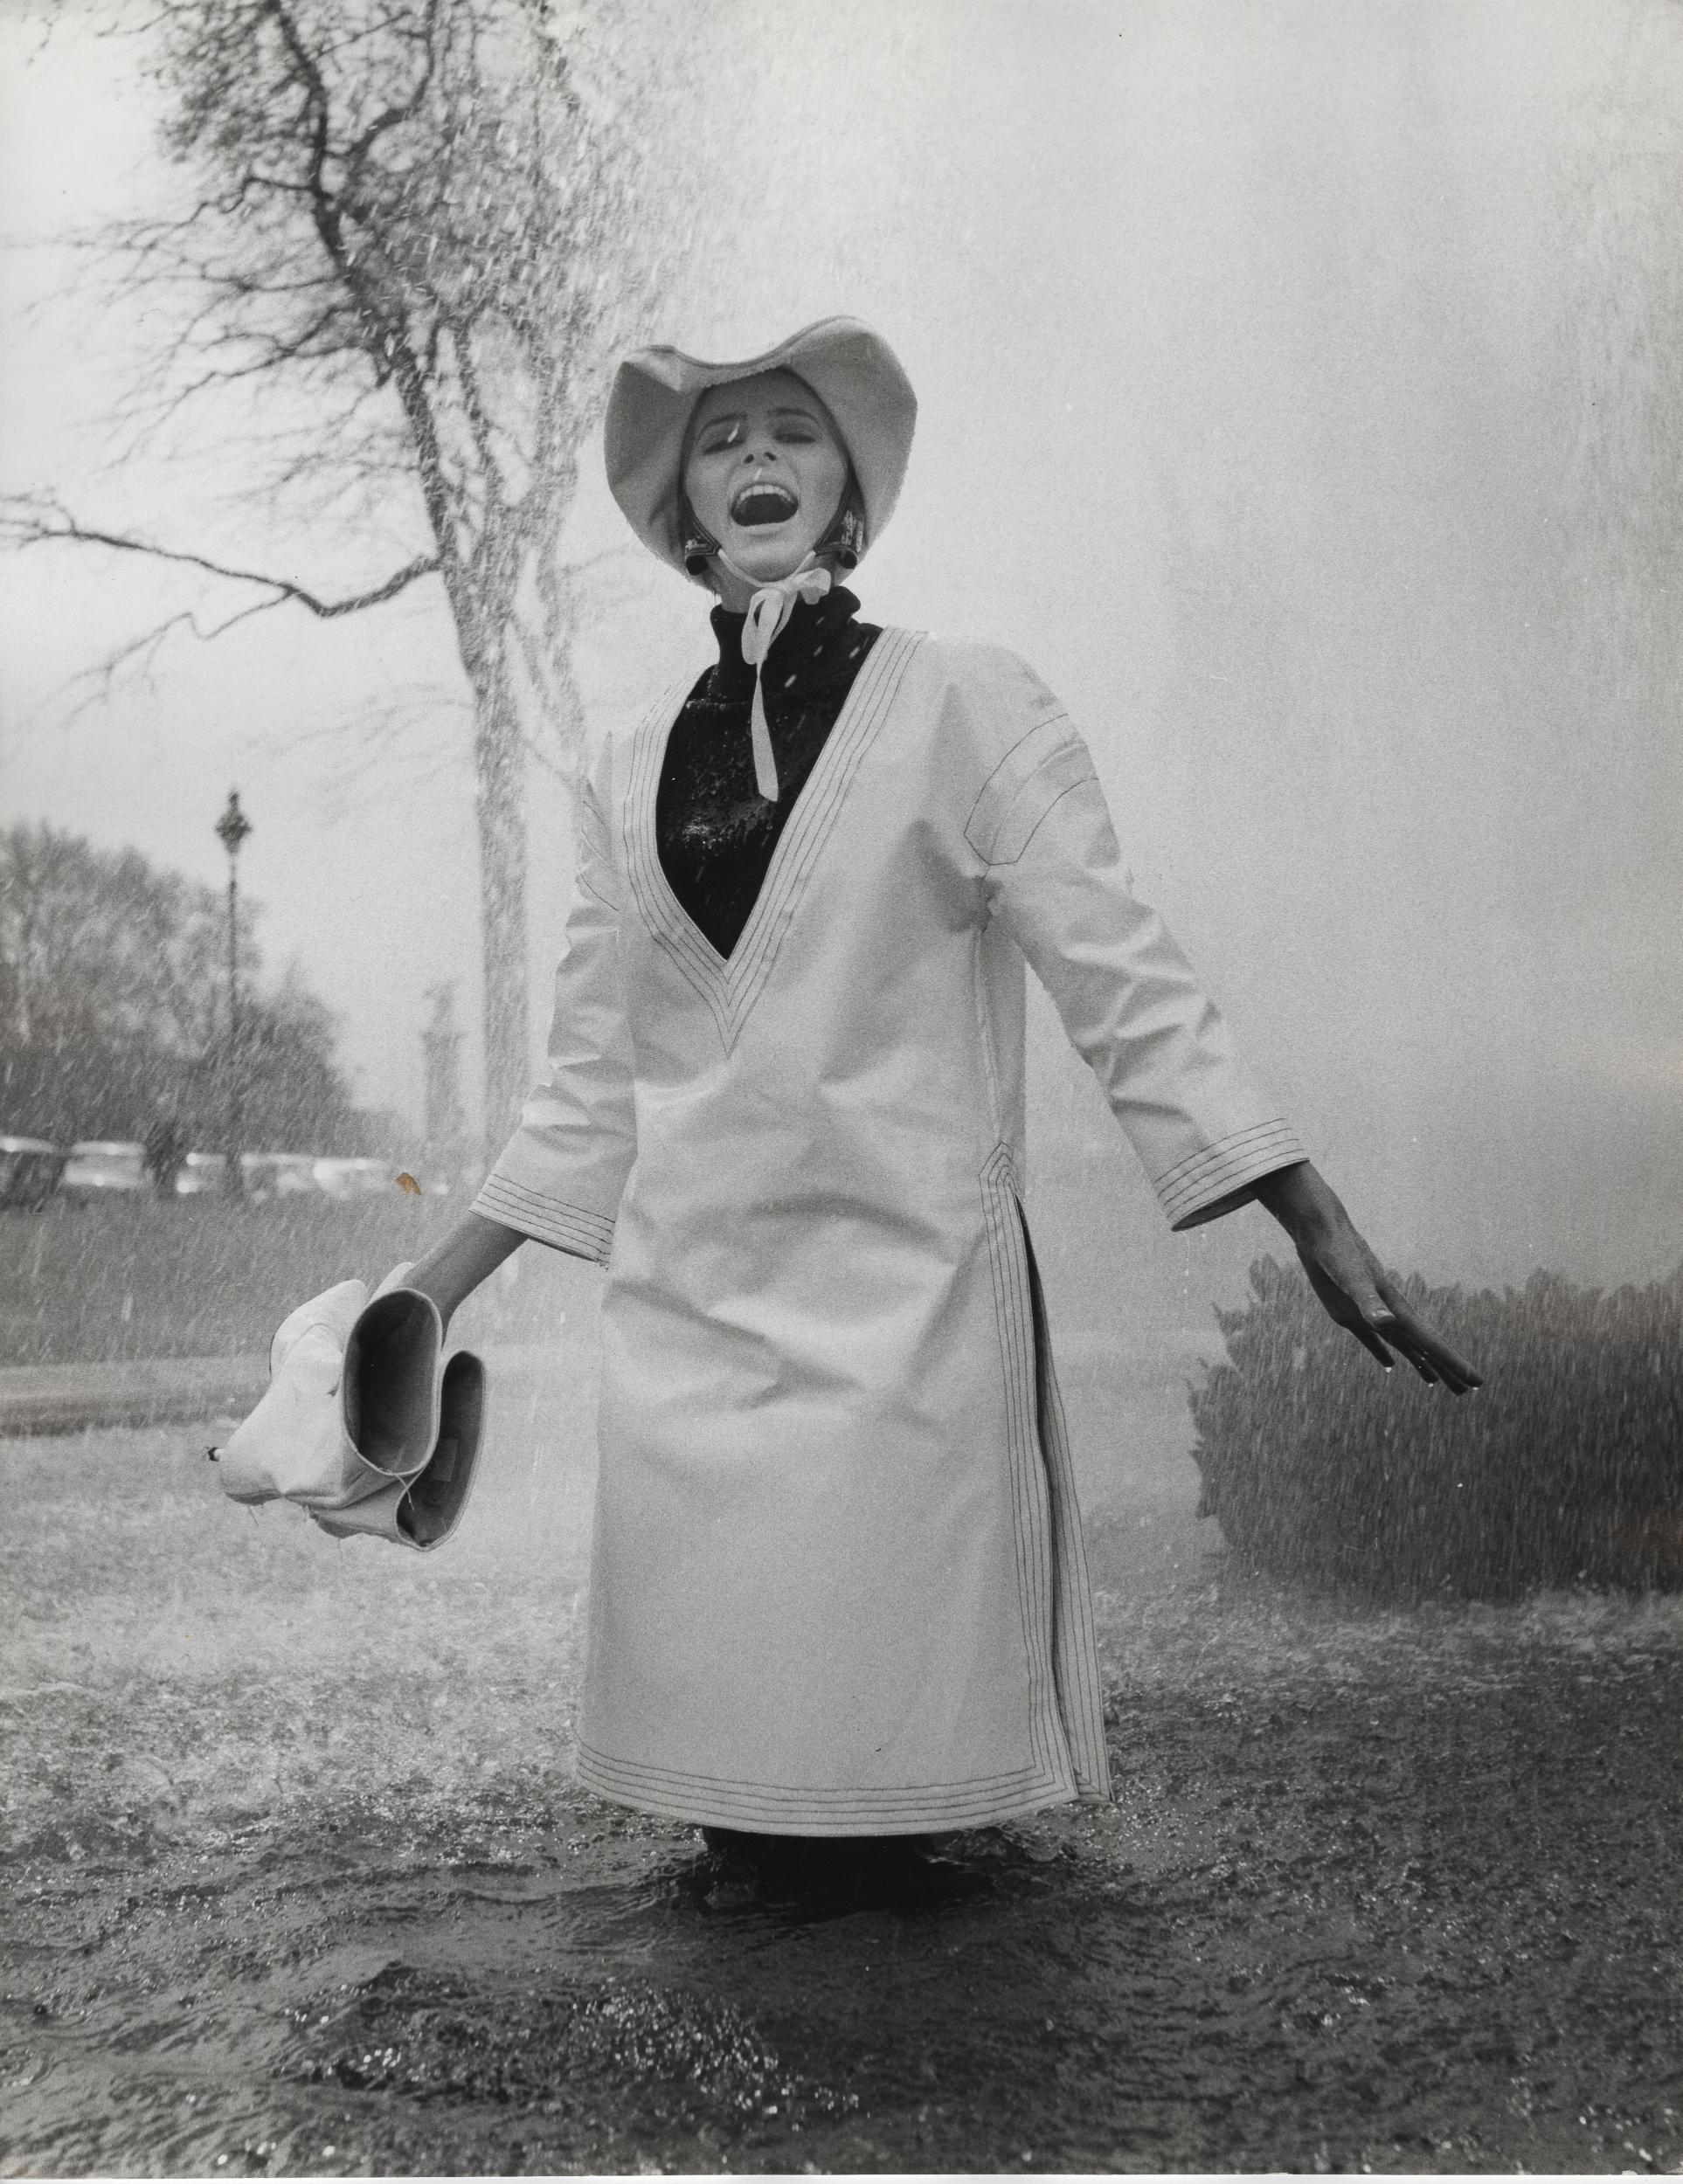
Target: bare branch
(394, 116)
(31, 524)
(95, 685)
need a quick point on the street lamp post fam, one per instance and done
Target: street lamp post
(232, 830)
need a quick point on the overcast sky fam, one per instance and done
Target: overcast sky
(1300, 392)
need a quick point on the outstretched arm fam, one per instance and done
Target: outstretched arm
(1349, 1281)
(1205, 1133)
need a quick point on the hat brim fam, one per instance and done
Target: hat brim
(851, 370)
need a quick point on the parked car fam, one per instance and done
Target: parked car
(201, 1172)
(278, 1175)
(30, 1169)
(343, 1177)
(103, 1167)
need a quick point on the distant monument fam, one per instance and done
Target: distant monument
(445, 1154)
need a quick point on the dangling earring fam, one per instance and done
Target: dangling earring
(696, 541)
(849, 538)
(844, 542)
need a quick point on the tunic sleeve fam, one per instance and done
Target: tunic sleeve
(560, 1176)
(1202, 1125)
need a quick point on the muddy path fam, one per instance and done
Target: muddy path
(295, 1878)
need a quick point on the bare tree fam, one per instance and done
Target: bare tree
(416, 223)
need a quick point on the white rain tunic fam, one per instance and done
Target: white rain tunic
(837, 1582)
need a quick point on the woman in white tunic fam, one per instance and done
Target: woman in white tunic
(837, 1584)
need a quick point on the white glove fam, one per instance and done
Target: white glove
(363, 1424)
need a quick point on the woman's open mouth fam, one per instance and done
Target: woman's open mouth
(761, 502)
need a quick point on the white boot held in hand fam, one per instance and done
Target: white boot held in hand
(364, 1424)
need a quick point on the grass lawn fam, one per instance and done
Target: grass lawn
(196, 1278)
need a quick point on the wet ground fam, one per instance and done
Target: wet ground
(295, 1878)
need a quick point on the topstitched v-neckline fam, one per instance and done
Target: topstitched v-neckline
(731, 984)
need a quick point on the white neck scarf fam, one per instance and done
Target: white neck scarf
(768, 614)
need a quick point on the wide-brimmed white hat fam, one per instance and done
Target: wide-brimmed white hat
(852, 370)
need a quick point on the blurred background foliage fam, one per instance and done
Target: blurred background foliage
(113, 1010)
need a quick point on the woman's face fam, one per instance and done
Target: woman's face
(766, 472)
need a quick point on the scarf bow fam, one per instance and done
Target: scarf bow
(768, 614)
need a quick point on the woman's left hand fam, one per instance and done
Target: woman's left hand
(1349, 1281)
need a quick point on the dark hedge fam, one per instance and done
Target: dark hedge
(1566, 1468)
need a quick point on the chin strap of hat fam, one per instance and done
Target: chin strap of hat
(768, 613)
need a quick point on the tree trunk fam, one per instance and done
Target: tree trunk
(501, 812)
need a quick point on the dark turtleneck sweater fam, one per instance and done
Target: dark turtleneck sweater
(715, 831)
